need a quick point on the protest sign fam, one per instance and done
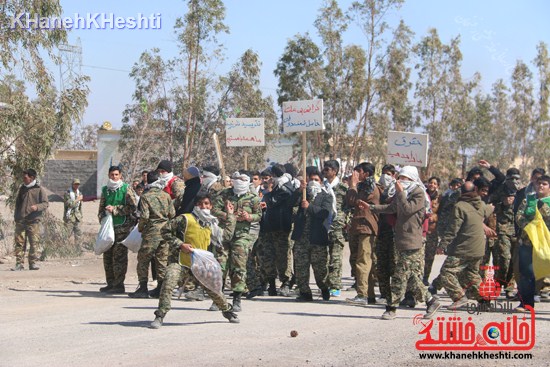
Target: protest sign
(244, 132)
(407, 149)
(303, 116)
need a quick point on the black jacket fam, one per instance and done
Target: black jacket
(192, 188)
(318, 217)
(278, 213)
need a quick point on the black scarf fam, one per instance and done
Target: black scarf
(192, 187)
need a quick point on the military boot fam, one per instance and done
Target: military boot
(237, 301)
(230, 315)
(284, 290)
(272, 290)
(157, 323)
(155, 293)
(141, 291)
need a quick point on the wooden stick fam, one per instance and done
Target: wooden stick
(245, 160)
(219, 154)
(304, 161)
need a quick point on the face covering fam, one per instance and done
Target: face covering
(241, 183)
(31, 184)
(385, 180)
(314, 188)
(114, 185)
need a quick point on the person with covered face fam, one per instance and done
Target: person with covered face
(311, 226)
(118, 199)
(173, 185)
(410, 204)
(234, 254)
(431, 236)
(72, 205)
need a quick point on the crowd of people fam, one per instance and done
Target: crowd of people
(268, 229)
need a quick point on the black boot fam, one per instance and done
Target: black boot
(155, 293)
(141, 291)
(237, 301)
(272, 290)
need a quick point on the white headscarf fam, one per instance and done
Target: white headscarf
(159, 184)
(204, 216)
(165, 178)
(280, 181)
(114, 185)
(411, 172)
(329, 186)
(208, 179)
(241, 183)
(31, 184)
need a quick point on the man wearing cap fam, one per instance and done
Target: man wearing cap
(173, 185)
(30, 204)
(73, 212)
(234, 255)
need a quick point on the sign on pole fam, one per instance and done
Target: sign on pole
(244, 132)
(407, 149)
(303, 116)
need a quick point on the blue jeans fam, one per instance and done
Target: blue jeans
(526, 283)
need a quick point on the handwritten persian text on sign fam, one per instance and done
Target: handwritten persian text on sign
(244, 132)
(303, 116)
(408, 149)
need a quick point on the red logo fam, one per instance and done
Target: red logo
(489, 289)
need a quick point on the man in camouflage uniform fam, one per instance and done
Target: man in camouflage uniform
(431, 237)
(234, 255)
(119, 199)
(156, 209)
(72, 217)
(505, 242)
(30, 204)
(464, 243)
(539, 200)
(336, 234)
(310, 234)
(184, 233)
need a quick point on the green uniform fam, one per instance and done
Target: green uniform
(504, 245)
(156, 209)
(336, 238)
(234, 254)
(73, 215)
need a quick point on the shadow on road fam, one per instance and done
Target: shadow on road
(146, 324)
(308, 314)
(65, 293)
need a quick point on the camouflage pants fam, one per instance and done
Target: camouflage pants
(307, 255)
(365, 264)
(490, 250)
(336, 252)
(233, 258)
(407, 276)
(115, 260)
(431, 247)
(460, 276)
(503, 259)
(276, 255)
(175, 273)
(255, 275)
(152, 249)
(73, 228)
(26, 232)
(385, 261)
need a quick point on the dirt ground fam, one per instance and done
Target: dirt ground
(57, 317)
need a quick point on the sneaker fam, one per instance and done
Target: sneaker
(537, 298)
(390, 314)
(425, 281)
(325, 294)
(33, 267)
(255, 293)
(432, 290)
(119, 289)
(458, 303)
(335, 292)
(433, 305)
(361, 301)
(543, 295)
(214, 307)
(18, 267)
(157, 323)
(304, 297)
(520, 309)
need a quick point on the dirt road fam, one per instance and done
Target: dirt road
(57, 317)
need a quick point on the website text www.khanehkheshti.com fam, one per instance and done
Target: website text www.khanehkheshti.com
(475, 355)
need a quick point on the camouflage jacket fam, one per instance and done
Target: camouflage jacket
(340, 191)
(72, 207)
(505, 218)
(156, 209)
(249, 202)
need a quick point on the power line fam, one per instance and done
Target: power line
(105, 68)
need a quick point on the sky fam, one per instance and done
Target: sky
(494, 34)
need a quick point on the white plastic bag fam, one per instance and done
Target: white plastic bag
(106, 236)
(133, 241)
(207, 270)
